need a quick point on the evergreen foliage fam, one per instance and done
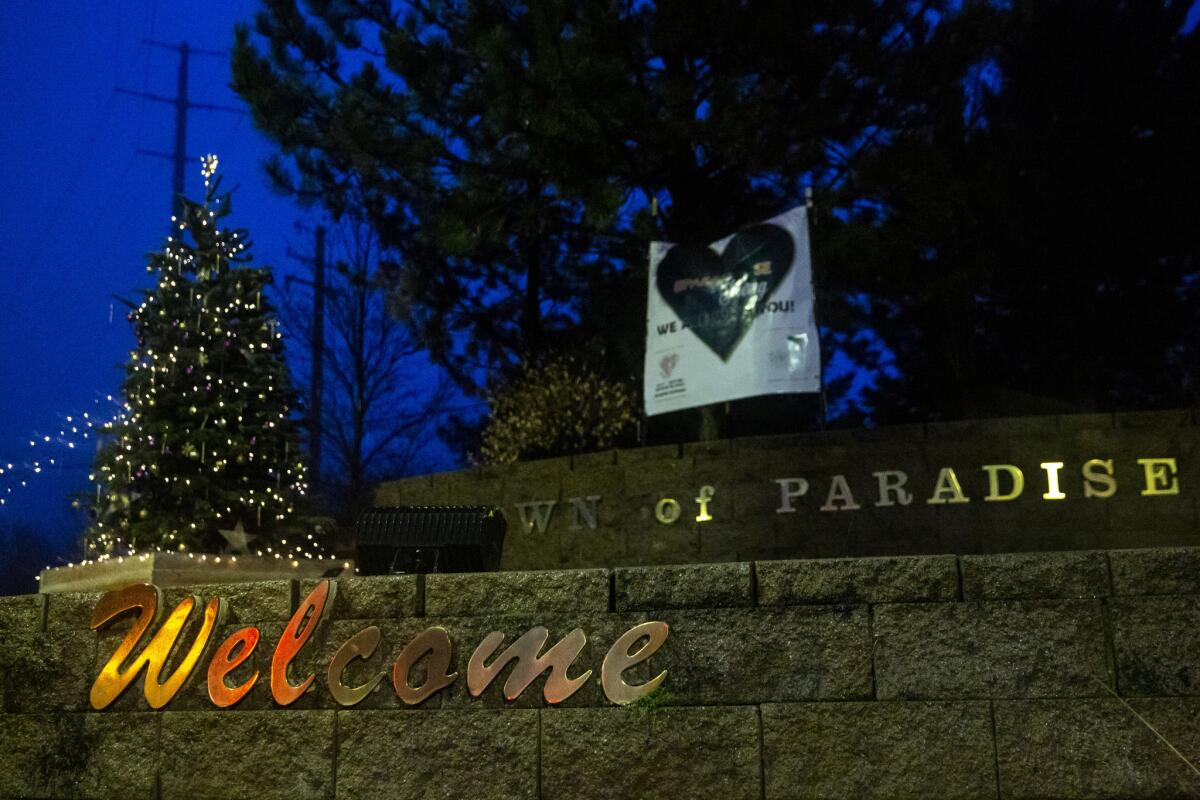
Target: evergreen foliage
(516, 158)
(206, 441)
(1002, 189)
(559, 407)
(1031, 246)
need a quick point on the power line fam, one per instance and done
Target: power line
(182, 104)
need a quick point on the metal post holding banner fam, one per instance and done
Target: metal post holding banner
(732, 319)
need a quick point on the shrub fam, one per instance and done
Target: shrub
(557, 407)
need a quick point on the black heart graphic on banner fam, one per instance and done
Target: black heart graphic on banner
(719, 296)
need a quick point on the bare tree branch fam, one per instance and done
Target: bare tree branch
(382, 397)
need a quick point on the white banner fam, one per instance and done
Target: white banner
(732, 319)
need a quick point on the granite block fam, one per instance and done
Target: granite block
(689, 586)
(437, 755)
(450, 594)
(245, 603)
(858, 751)
(1027, 576)
(1007, 649)
(1097, 749)
(270, 755)
(371, 597)
(857, 580)
(1157, 642)
(1162, 570)
(632, 753)
(21, 616)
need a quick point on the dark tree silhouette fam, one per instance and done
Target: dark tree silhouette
(382, 398)
(1003, 202)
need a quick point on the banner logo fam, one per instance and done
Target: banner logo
(667, 364)
(718, 296)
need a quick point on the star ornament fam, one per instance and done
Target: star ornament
(239, 540)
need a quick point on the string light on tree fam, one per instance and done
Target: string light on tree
(207, 443)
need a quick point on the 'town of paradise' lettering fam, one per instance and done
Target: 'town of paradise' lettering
(1006, 482)
(145, 601)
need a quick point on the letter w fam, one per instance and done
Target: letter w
(540, 510)
(145, 599)
(529, 664)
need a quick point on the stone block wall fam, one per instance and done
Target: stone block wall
(746, 524)
(1057, 675)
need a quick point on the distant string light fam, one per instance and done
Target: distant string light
(46, 450)
(229, 562)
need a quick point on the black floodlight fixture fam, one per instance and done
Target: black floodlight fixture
(404, 539)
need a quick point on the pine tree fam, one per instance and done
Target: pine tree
(206, 442)
(516, 158)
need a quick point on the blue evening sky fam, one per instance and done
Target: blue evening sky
(81, 207)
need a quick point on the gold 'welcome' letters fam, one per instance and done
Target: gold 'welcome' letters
(144, 602)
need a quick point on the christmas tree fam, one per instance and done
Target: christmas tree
(205, 444)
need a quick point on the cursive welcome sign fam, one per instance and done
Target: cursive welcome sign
(144, 602)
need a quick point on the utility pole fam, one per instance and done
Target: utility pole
(318, 356)
(317, 345)
(182, 104)
(181, 109)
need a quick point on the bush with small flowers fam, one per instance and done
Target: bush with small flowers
(557, 407)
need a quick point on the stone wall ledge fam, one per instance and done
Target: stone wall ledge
(568, 591)
(1020, 576)
(1156, 570)
(1085, 574)
(858, 580)
(687, 586)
